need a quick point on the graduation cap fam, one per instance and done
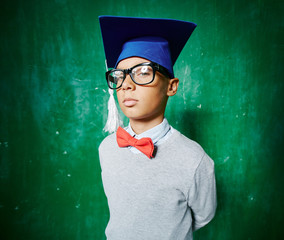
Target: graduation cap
(156, 39)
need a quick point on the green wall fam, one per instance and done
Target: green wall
(53, 100)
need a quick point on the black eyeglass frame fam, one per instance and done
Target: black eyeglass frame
(155, 67)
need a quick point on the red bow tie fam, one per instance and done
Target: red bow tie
(144, 145)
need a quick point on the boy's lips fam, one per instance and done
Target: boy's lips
(129, 102)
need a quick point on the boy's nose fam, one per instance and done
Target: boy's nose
(128, 84)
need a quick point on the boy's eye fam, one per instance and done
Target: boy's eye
(142, 71)
(116, 77)
(118, 74)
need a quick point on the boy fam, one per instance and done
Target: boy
(159, 184)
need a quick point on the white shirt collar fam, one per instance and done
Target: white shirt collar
(156, 133)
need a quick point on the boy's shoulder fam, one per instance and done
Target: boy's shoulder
(185, 144)
(108, 141)
(189, 156)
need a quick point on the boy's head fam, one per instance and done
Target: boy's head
(142, 52)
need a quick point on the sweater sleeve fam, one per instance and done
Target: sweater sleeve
(202, 193)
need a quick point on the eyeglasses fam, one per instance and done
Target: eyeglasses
(141, 74)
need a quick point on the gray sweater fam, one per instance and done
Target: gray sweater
(167, 197)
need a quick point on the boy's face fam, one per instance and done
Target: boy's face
(142, 103)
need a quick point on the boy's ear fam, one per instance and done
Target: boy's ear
(172, 86)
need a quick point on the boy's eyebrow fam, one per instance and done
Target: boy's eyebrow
(131, 66)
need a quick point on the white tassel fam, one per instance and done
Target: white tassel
(113, 119)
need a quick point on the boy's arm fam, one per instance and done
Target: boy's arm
(202, 194)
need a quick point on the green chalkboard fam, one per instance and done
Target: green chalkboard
(53, 101)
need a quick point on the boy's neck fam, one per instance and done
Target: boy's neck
(140, 126)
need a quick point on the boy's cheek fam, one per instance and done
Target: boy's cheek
(119, 97)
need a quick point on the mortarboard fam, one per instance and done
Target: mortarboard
(156, 39)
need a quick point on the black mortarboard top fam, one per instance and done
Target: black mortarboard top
(156, 39)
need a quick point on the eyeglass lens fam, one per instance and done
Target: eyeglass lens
(140, 75)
